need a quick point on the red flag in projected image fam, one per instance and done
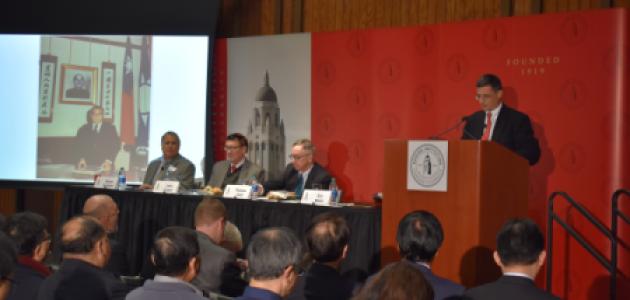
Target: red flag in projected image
(144, 92)
(127, 126)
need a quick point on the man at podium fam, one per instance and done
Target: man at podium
(499, 123)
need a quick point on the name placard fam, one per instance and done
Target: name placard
(106, 182)
(166, 186)
(238, 191)
(317, 197)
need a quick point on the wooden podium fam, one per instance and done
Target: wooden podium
(487, 184)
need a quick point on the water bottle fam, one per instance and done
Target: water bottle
(254, 184)
(122, 179)
(334, 192)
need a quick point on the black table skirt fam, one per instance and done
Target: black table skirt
(143, 214)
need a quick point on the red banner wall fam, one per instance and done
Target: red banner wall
(568, 72)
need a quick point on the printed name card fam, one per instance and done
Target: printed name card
(238, 191)
(166, 186)
(317, 197)
(106, 182)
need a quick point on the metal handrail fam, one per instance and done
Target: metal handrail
(552, 216)
(615, 215)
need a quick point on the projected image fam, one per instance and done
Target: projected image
(98, 120)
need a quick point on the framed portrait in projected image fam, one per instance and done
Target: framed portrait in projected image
(78, 85)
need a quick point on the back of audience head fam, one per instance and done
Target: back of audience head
(104, 209)
(327, 238)
(8, 260)
(274, 254)
(520, 243)
(83, 238)
(398, 280)
(419, 236)
(29, 234)
(210, 219)
(175, 253)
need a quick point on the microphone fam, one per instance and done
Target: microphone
(462, 120)
(466, 133)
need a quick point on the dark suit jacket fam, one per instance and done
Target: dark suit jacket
(218, 272)
(513, 129)
(78, 276)
(509, 287)
(26, 282)
(117, 263)
(318, 175)
(97, 147)
(442, 288)
(185, 172)
(325, 283)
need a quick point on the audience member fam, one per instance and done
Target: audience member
(86, 250)
(219, 272)
(302, 173)
(232, 238)
(419, 238)
(32, 240)
(171, 166)
(327, 240)
(236, 169)
(274, 255)
(175, 255)
(105, 211)
(8, 260)
(520, 254)
(397, 281)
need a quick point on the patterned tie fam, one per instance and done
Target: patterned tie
(299, 188)
(486, 133)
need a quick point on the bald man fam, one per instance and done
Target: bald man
(86, 251)
(105, 210)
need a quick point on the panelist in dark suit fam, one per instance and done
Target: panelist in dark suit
(520, 256)
(302, 173)
(97, 142)
(237, 169)
(499, 123)
(171, 166)
(419, 237)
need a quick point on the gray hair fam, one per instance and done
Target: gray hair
(306, 145)
(271, 251)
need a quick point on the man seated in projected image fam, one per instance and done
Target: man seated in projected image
(171, 166)
(79, 88)
(97, 142)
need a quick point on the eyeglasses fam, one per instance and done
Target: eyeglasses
(297, 157)
(483, 97)
(231, 148)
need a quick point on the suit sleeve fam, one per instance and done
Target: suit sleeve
(188, 176)
(113, 144)
(467, 132)
(526, 144)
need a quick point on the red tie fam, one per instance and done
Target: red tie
(486, 133)
(232, 169)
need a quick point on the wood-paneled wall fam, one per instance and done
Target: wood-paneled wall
(261, 17)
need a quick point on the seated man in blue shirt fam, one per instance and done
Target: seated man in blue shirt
(274, 255)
